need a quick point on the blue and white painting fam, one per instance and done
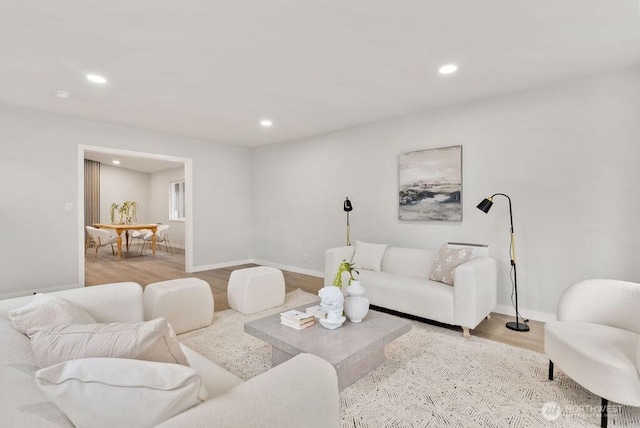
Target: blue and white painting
(430, 185)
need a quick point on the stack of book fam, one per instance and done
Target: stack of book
(296, 319)
(316, 311)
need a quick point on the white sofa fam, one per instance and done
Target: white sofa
(265, 400)
(403, 285)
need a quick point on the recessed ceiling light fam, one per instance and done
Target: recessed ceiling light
(96, 79)
(62, 94)
(266, 123)
(448, 69)
(116, 162)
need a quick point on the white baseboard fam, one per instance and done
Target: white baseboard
(526, 313)
(259, 262)
(221, 265)
(23, 293)
(289, 268)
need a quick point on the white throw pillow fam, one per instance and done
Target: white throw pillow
(368, 256)
(46, 310)
(152, 340)
(117, 392)
(446, 261)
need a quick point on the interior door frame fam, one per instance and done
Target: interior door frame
(188, 195)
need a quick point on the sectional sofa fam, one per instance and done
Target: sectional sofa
(300, 392)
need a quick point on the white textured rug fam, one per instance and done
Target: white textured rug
(433, 377)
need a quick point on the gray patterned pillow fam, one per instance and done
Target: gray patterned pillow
(446, 261)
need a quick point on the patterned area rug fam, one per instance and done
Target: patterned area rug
(433, 377)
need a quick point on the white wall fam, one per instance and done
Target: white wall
(567, 154)
(39, 240)
(119, 185)
(159, 206)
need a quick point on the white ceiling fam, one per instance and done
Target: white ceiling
(212, 69)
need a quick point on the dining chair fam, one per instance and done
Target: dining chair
(161, 236)
(100, 238)
(138, 234)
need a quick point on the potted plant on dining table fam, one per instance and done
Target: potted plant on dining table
(124, 213)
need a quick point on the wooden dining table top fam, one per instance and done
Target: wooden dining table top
(134, 226)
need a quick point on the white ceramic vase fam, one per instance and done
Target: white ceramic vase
(355, 289)
(356, 308)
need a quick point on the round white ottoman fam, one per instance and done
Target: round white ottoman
(187, 303)
(255, 289)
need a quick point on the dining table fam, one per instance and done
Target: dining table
(119, 228)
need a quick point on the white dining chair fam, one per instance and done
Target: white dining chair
(138, 234)
(161, 236)
(100, 238)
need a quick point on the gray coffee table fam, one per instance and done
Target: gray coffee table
(354, 349)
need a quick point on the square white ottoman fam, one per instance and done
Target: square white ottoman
(187, 303)
(255, 289)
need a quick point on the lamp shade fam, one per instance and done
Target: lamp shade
(485, 205)
(347, 205)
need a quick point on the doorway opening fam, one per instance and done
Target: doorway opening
(157, 167)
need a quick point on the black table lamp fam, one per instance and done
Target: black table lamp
(485, 206)
(347, 208)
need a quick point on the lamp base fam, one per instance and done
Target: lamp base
(517, 326)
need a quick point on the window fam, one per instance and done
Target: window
(176, 210)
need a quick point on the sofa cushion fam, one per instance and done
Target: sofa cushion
(446, 261)
(152, 341)
(368, 256)
(408, 261)
(117, 392)
(23, 404)
(427, 299)
(46, 310)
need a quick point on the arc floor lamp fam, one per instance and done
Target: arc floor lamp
(485, 206)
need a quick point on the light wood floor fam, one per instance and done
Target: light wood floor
(146, 269)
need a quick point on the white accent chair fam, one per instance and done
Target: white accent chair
(100, 238)
(161, 236)
(596, 340)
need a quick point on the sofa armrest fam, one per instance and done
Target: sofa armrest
(475, 291)
(301, 392)
(602, 301)
(332, 259)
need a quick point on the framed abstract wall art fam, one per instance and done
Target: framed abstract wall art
(430, 185)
